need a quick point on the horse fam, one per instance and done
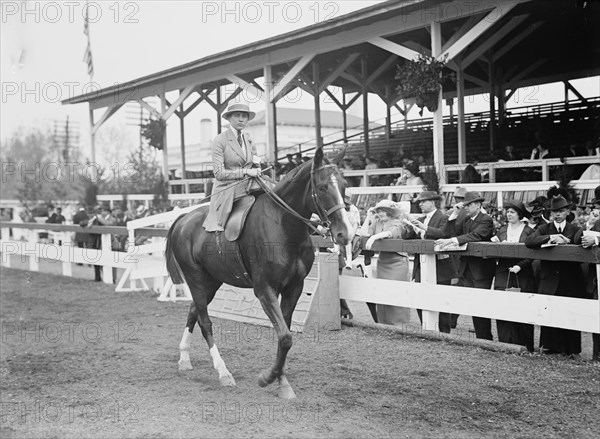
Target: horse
(275, 249)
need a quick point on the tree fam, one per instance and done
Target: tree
(33, 170)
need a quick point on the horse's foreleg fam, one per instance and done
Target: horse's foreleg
(186, 340)
(289, 300)
(271, 307)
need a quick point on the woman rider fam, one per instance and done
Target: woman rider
(233, 158)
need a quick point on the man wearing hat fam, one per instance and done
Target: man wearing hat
(234, 159)
(431, 226)
(474, 272)
(559, 278)
(589, 241)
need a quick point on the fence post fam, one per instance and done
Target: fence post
(429, 276)
(105, 247)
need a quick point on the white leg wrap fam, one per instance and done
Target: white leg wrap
(225, 376)
(184, 350)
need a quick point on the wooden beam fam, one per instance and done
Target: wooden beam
(467, 25)
(148, 107)
(105, 116)
(395, 48)
(524, 72)
(493, 39)
(516, 40)
(335, 73)
(476, 31)
(382, 68)
(182, 97)
(244, 85)
(269, 115)
(569, 86)
(289, 76)
(334, 99)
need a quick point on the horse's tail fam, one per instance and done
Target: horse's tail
(172, 265)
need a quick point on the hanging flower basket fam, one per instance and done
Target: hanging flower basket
(422, 80)
(154, 132)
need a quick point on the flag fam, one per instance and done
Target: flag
(87, 56)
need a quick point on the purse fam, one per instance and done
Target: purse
(516, 289)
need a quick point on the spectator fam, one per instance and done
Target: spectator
(509, 154)
(539, 152)
(474, 272)
(411, 176)
(470, 175)
(514, 273)
(81, 218)
(384, 222)
(431, 226)
(351, 251)
(558, 278)
(592, 240)
(288, 166)
(370, 164)
(298, 159)
(56, 217)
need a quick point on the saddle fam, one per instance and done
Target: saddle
(237, 217)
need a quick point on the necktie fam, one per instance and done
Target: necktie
(559, 230)
(239, 138)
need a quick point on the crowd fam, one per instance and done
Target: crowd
(551, 220)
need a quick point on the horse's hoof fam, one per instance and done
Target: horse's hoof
(227, 381)
(185, 365)
(286, 393)
(263, 380)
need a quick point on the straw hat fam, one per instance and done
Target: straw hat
(243, 108)
(390, 207)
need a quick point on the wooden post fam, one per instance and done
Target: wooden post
(182, 135)
(438, 118)
(492, 84)
(269, 116)
(163, 106)
(105, 247)
(364, 73)
(429, 277)
(315, 70)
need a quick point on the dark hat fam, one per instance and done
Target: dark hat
(518, 206)
(460, 192)
(472, 197)
(558, 202)
(596, 199)
(243, 108)
(428, 196)
(413, 168)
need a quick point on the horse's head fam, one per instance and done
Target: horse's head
(327, 187)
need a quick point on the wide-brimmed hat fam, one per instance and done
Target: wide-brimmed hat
(558, 202)
(428, 196)
(518, 206)
(472, 197)
(460, 192)
(243, 108)
(389, 206)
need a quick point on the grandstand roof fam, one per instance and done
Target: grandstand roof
(535, 42)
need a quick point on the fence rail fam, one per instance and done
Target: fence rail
(563, 312)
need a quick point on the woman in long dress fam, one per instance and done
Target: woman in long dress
(383, 222)
(511, 273)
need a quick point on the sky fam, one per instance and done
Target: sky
(42, 46)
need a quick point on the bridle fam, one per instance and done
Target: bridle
(321, 212)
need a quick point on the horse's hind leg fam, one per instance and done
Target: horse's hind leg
(186, 340)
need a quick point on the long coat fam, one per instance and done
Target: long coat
(229, 161)
(445, 267)
(525, 277)
(555, 273)
(480, 229)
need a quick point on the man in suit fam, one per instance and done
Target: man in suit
(590, 241)
(234, 159)
(431, 226)
(474, 272)
(559, 278)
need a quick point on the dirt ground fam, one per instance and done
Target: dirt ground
(78, 359)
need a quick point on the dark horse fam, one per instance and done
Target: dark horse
(276, 251)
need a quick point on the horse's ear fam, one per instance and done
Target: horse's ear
(338, 158)
(318, 159)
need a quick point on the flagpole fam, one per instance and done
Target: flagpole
(87, 58)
